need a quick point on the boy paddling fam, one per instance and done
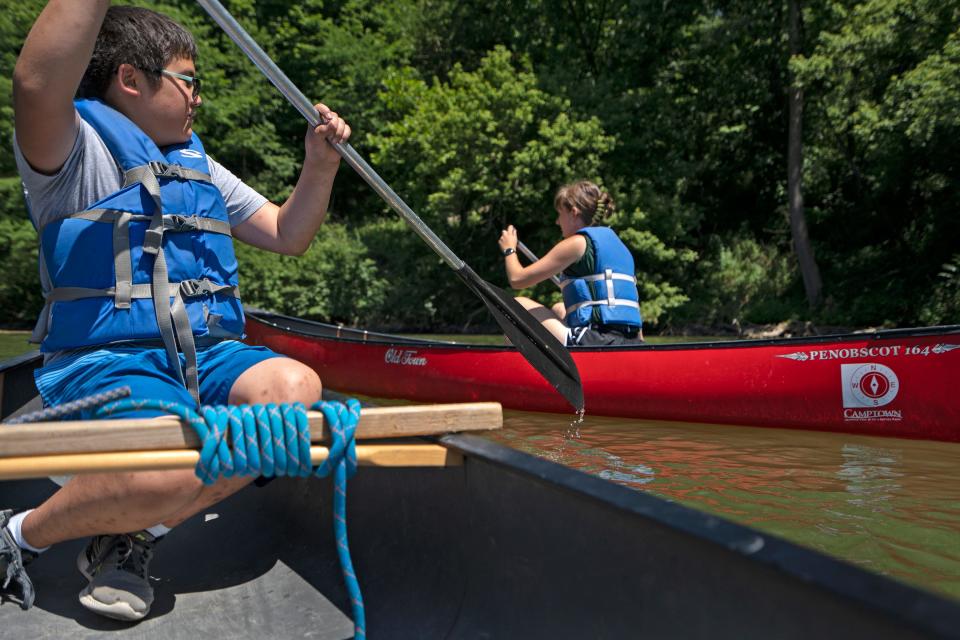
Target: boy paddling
(136, 225)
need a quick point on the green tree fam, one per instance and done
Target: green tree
(14, 26)
(20, 296)
(883, 173)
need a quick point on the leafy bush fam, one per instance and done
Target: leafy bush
(743, 280)
(943, 304)
(333, 281)
(11, 199)
(658, 265)
(20, 296)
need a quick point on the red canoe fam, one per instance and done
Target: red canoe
(892, 383)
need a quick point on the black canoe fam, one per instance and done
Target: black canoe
(504, 546)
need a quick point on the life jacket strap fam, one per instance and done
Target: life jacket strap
(162, 170)
(185, 289)
(593, 303)
(122, 264)
(147, 176)
(608, 277)
(613, 275)
(172, 223)
(178, 224)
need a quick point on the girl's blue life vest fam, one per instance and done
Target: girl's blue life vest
(612, 288)
(153, 261)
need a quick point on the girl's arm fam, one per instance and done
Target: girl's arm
(562, 255)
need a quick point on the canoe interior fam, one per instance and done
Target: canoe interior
(478, 552)
(505, 546)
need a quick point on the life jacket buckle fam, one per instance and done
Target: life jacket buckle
(158, 168)
(191, 288)
(152, 241)
(178, 222)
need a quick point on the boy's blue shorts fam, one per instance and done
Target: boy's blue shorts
(146, 372)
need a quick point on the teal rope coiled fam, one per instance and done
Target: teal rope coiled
(273, 440)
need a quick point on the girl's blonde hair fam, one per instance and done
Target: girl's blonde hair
(593, 203)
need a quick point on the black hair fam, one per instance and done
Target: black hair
(143, 38)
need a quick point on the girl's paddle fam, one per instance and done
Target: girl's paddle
(537, 345)
(532, 257)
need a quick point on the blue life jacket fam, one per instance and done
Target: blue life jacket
(612, 288)
(153, 261)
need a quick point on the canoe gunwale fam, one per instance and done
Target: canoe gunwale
(314, 329)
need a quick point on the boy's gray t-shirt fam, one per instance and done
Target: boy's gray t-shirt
(91, 173)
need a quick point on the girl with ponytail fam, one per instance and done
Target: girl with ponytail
(600, 299)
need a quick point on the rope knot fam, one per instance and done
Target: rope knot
(342, 420)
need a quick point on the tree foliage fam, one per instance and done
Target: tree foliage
(476, 112)
(882, 154)
(334, 280)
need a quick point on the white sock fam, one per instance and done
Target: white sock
(14, 526)
(158, 530)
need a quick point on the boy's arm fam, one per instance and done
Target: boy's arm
(51, 64)
(290, 228)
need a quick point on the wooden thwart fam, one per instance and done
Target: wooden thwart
(111, 446)
(381, 455)
(167, 433)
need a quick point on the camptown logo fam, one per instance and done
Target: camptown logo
(404, 356)
(887, 415)
(867, 387)
(191, 153)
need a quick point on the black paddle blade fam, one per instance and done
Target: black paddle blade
(540, 348)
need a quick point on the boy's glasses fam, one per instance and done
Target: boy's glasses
(191, 82)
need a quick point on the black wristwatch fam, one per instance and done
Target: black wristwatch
(508, 251)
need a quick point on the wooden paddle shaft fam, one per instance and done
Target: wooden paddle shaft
(389, 455)
(50, 438)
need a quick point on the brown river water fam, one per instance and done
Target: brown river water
(888, 505)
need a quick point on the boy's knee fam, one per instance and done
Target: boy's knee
(277, 380)
(298, 382)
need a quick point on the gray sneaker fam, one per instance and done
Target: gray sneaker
(117, 567)
(12, 561)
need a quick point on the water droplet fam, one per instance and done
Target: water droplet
(573, 430)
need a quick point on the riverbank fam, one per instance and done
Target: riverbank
(14, 343)
(750, 331)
